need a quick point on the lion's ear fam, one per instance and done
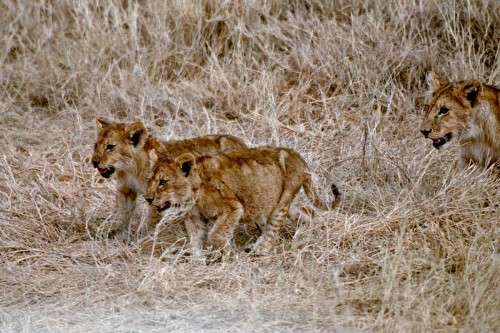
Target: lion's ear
(471, 90)
(137, 133)
(153, 157)
(101, 123)
(433, 81)
(186, 162)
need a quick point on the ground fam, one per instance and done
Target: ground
(412, 247)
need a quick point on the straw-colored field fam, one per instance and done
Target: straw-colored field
(413, 247)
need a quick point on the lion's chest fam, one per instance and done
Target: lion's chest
(480, 153)
(132, 181)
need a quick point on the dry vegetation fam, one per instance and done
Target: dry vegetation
(413, 247)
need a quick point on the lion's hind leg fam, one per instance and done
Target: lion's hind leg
(265, 242)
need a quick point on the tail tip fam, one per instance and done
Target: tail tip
(335, 190)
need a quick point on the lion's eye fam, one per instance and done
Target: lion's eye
(443, 111)
(110, 147)
(162, 182)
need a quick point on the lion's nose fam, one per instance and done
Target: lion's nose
(149, 200)
(425, 132)
(95, 163)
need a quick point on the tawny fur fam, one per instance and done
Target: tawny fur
(122, 149)
(467, 112)
(239, 186)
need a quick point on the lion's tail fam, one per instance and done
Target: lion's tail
(313, 196)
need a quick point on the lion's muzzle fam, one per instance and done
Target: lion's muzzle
(441, 141)
(163, 207)
(105, 172)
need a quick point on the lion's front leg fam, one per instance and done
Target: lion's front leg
(222, 232)
(125, 207)
(154, 219)
(197, 230)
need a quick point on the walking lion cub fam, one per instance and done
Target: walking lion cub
(122, 149)
(240, 186)
(467, 112)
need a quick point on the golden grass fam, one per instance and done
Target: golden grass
(413, 247)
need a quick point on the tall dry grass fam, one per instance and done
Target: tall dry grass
(413, 247)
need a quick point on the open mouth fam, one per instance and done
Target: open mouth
(441, 141)
(161, 208)
(106, 172)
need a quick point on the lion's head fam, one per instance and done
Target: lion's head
(116, 145)
(449, 110)
(171, 183)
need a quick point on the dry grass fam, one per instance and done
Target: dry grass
(413, 247)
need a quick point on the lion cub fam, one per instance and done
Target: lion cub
(239, 186)
(122, 149)
(467, 112)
